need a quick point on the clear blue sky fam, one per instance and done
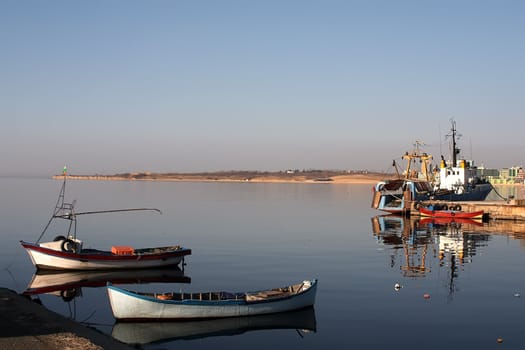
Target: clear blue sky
(116, 86)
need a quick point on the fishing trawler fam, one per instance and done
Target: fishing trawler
(455, 180)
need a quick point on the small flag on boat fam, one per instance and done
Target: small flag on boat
(64, 171)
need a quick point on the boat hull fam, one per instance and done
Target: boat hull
(45, 258)
(399, 196)
(127, 305)
(450, 214)
(479, 192)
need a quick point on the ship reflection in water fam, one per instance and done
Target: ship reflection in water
(417, 245)
(142, 333)
(68, 285)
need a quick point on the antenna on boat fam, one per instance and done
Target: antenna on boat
(66, 211)
(440, 141)
(454, 135)
(471, 155)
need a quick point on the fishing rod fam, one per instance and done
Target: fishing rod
(65, 216)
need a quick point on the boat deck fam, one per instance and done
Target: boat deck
(141, 251)
(222, 295)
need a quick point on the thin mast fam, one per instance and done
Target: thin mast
(454, 151)
(59, 206)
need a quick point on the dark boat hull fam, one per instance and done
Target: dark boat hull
(475, 193)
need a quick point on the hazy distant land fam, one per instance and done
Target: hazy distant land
(306, 176)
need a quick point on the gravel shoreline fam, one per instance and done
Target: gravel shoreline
(26, 324)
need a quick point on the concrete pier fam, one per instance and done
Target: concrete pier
(27, 325)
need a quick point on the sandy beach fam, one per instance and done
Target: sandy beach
(317, 177)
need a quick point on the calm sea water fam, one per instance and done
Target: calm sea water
(461, 284)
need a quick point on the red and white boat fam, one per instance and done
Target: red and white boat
(455, 214)
(51, 255)
(67, 253)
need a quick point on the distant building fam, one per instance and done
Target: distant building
(484, 172)
(512, 175)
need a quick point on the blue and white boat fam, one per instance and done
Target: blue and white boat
(455, 180)
(458, 179)
(128, 305)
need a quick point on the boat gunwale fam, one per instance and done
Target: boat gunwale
(105, 255)
(451, 214)
(150, 297)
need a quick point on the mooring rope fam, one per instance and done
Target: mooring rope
(498, 194)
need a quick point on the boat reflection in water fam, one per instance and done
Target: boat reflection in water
(425, 243)
(68, 285)
(141, 333)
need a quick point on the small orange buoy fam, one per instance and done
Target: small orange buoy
(499, 340)
(426, 296)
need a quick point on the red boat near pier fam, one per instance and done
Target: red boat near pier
(456, 214)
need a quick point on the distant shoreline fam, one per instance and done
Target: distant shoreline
(313, 177)
(330, 177)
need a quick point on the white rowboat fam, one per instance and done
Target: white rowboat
(128, 305)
